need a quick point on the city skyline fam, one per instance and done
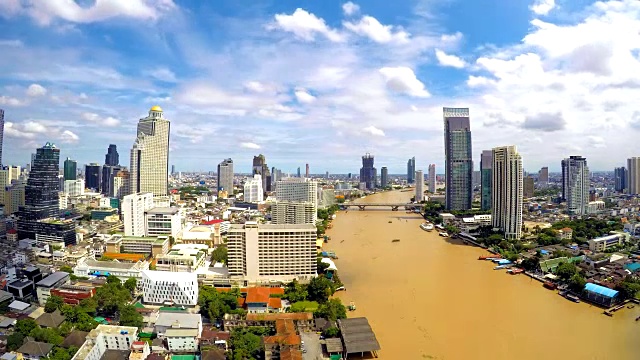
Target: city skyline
(371, 75)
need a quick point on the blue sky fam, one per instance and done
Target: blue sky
(320, 81)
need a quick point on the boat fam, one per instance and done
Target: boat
(572, 297)
(515, 271)
(607, 313)
(489, 257)
(638, 318)
(549, 285)
(500, 267)
(426, 226)
(630, 306)
(395, 240)
(352, 306)
(444, 234)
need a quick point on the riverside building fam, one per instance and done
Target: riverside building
(507, 191)
(458, 159)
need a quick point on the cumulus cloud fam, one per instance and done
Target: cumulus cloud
(403, 80)
(449, 60)
(372, 28)
(68, 136)
(305, 25)
(250, 145)
(10, 101)
(304, 97)
(36, 130)
(635, 120)
(35, 90)
(100, 120)
(543, 7)
(350, 8)
(596, 141)
(162, 74)
(372, 130)
(547, 122)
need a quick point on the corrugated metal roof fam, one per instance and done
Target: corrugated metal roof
(600, 290)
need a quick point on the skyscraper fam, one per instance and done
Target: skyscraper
(225, 176)
(1, 134)
(575, 184)
(620, 178)
(419, 186)
(173, 169)
(112, 158)
(133, 209)
(106, 180)
(543, 176)
(529, 187)
(507, 191)
(70, 169)
(368, 173)
(150, 155)
(297, 190)
(306, 173)
(298, 174)
(633, 175)
(432, 178)
(486, 162)
(92, 176)
(384, 177)
(261, 168)
(411, 170)
(458, 159)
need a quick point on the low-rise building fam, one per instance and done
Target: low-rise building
(183, 258)
(605, 242)
(44, 286)
(170, 288)
(139, 350)
(73, 294)
(182, 340)
(180, 320)
(153, 246)
(22, 289)
(163, 221)
(199, 234)
(123, 270)
(35, 350)
(303, 321)
(565, 234)
(104, 338)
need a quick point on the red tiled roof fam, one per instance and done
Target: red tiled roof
(258, 295)
(290, 354)
(283, 339)
(285, 327)
(210, 333)
(241, 302)
(275, 303)
(211, 222)
(282, 316)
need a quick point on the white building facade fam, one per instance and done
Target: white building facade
(253, 192)
(163, 221)
(74, 187)
(297, 190)
(160, 287)
(575, 184)
(106, 337)
(149, 167)
(134, 207)
(293, 213)
(507, 191)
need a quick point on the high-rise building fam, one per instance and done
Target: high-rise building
(384, 177)
(70, 169)
(620, 175)
(411, 170)
(37, 219)
(297, 190)
(486, 162)
(1, 134)
(368, 173)
(259, 253)
(74, 187)
(298, 173)
(419, 186)
(253, 192)
(121, 184)
(133, 208)
(112, 158)
(633, 175)
(173, 169)
(432, 178)
(293, 213)
(458, 159)
(225, 176)
(306, 173)
(14, 196)
(575, 184)
(507, 191)
(150, 155)
(543, 176)
(529, 187)
(261, 168)
(106, 180)
(93, 176)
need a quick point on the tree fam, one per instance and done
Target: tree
(214, 304)
(66, 269)
(331, 332)
(14, 341)
(24, 326)
(245, 344)
(219, 254)
(629, 287)
(577, 283)
(295, 291)
(47, 335)
(113, 280)
(332, 310)
(60, 353)
(131, 284)
(530, 264)
(53, 303)
(566, 270)
(320, 289)
(130, 317)
(84, 322)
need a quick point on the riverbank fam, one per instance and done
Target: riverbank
(429, 297)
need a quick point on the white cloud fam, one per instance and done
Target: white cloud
(250, 145)
(304, 97)
(403, 80)
(99, 120)
(12, 43)
(449, 60)
(38, 131)
(596, 141)
(305, 25)
(350, 8)
(10, 101)
(260, 87)
(162, 74)
(68, 136)
(543, 7)
(35, 90)
(370, 27)
(478, 81)
(373, 131)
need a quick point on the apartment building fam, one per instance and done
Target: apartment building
(183, 258)
(74, 187)
(134, 207)
(606, 242)
(297, 190)
(293, 213)
(167, 287)
(163, 221)
(138, 245)
(106, 337)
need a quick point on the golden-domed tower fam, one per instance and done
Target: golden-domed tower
(149, 170)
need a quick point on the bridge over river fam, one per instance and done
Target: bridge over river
(393, 206)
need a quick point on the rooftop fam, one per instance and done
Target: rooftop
(282, 316)
(187, 321)
(334, 345)
(181, 332)
(35, 348)
(357, 335)
(600, 290)
(170, 276)
(110, 264)
(272, 227)
(164, 210)
(52, 279)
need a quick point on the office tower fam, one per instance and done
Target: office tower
(74, 187)
(225, 176)
(306, 173)
(621, 179)
(106, 180)
(528, 187)
(432, 178)
(14, 172)
(1, 133)
(384, 177)
(575, 184)
(121, 184)
(70, 169)
(419, 186)
(14, 196)
(37, 218)
(458, 159)
(253, 192)
(173, 169)
(298, 174)
(112, 158)
(264, 252)
(486, 162)
(150, 155)
(92, 176)
(327, 174)
(260, 168)
(543, 176)
(368, 173)
(633, 175)
(133, 208)
(411, 170)
(293, 213)
(507, 191)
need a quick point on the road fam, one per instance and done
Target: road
(312, 344)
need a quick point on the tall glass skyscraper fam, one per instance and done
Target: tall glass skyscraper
(411, 170)
(384, 177)
(575, 184)
(486, 160)
(92, 176)
(149, 165)
(70, 169)
(368, 173)
(112, 158)
(458, 159)
(621, 179)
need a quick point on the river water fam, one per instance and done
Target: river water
(430, 298)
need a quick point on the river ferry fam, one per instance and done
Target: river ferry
(426, 226)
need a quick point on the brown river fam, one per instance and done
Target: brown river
(427, 297)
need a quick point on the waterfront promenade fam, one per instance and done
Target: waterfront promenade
(429, 297)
